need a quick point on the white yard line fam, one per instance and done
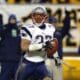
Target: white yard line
(71, 58)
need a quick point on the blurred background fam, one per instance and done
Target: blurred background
(67, 14)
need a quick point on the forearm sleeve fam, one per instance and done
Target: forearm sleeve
(34, 47)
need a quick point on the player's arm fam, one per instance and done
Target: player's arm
(26, 44)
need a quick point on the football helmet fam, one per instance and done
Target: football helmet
(39, 15)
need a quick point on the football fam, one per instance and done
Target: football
(53, 49)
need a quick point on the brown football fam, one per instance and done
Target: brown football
(52, 50)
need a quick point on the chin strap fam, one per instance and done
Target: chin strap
(38, 24)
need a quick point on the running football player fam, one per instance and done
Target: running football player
(37, 41)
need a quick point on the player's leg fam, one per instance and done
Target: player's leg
(42, 72)
(19, 70)
(25, 71)
(55, 70)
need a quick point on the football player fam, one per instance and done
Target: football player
(37, 43)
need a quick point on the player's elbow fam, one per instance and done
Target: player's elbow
(24, 45)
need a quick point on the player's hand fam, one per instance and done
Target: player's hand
(51, 47)
(48, 45)
(57, 61)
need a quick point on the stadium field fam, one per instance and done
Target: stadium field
(71, 68)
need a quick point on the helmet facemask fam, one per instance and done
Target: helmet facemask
(39, 16)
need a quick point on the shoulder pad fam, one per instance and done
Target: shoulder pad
(49, 25)
(30, 26)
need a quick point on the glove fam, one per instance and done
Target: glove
(50, 48)
(48, 45)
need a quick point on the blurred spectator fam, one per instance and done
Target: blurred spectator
(10, 49)
(53, 21)
(73, 15)
(28, 1)
(1, 28)
(42, 1)
(57, 35)
(49, 11)
(61, 32)
(1, 19)
(63, 1)
(59, 14)
(20, 24)
(18, 1)
(66, 28)
(66, 24)
(39, 1)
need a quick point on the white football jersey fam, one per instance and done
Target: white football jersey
(37, 35)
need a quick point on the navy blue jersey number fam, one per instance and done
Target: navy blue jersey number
(41, 38)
